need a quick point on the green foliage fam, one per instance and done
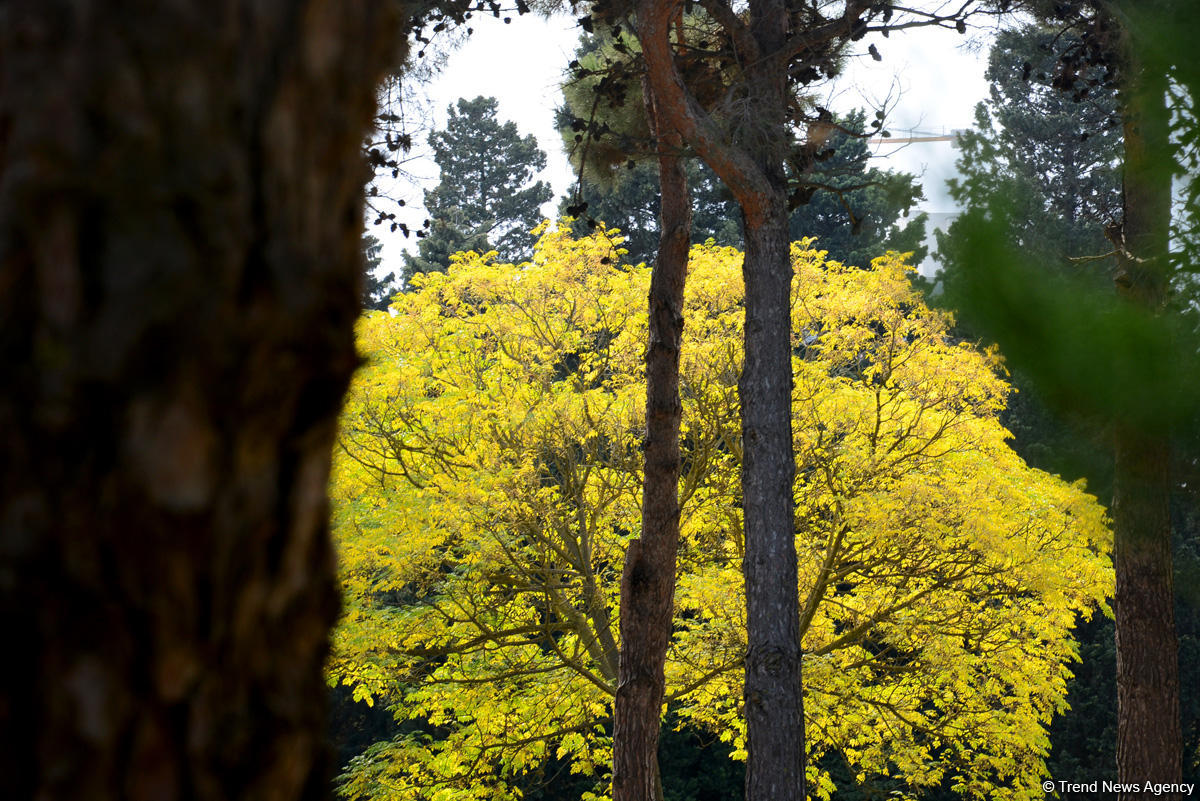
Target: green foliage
(1086, 350)
(488, 479)
(603, 118)
(855, 213)
(1047, 166)
(485, 199)
(377, 291)
(1084, 737)
(443, 238)
(604, 129)
(1169, 38)
(697, 766)
(1042, 179)
(631, 204)
(1052, 159)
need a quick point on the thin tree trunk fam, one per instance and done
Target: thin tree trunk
(774, 708)
(774, 687)
(1149, 740)
(180, 219)
(748, 151)
(648, 582)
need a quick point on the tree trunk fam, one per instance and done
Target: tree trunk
(774, 705)
(180, 219)
(751, 164)
(648, 581)
(774, 688)
(1149, 741)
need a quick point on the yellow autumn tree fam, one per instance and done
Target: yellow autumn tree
(488, 479)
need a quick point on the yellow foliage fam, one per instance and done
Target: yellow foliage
(488, 479)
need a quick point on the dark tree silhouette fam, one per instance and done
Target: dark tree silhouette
(377, 290)
(180, 271)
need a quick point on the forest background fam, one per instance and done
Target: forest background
(1060, 157)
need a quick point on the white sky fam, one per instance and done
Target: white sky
(932, 79)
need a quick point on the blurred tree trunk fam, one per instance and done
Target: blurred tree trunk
(1149, 739)
(648, 580)
(180, 220)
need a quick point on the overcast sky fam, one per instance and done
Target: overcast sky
(933, 77)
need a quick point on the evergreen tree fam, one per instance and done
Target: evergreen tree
(1048, 167)
(485, 200)
(377, 291)
(631, 203)
(855, 213)
(1046, 164)
(1051, 157)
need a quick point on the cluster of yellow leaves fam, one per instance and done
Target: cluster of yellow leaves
(488, 479)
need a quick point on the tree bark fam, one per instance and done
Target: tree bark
(1149, 740)
(180, 220)
(774, 704)
(648, 581)
(750, 162)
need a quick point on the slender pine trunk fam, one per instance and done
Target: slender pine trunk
(774, 704)
(774, 707)
(648, 582)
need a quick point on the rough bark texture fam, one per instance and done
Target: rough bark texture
(774, 689)
(648, 581)
(1149, 740)
(774, 707)
(180, 212)
(751, 166)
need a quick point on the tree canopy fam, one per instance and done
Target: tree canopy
(487, 482)
(1046, 160)
(485, 199)
(856, 213)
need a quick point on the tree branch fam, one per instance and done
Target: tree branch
(681, 111)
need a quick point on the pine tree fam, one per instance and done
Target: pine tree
(854, 211)
(631, 203)
(485, 200)
(377, 291)
(1052, 158)
(1048, 166)
(856, 215)
(1127, 361)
